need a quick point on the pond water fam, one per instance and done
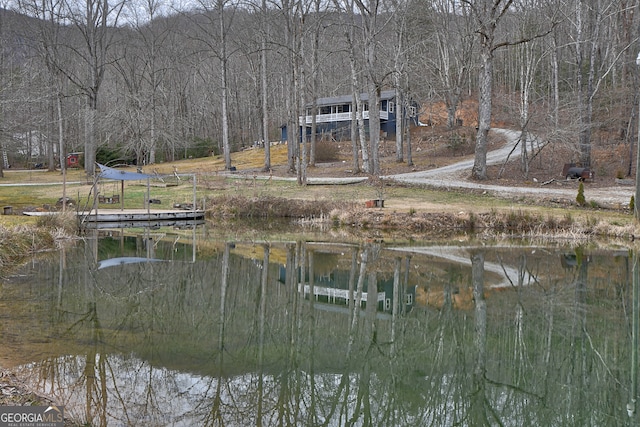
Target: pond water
(159, 329)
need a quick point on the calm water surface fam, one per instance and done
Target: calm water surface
(152, 330)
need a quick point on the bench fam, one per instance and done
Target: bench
(109, 200)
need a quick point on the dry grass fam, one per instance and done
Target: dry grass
(20, 241)
(272, 207)
(355, 218)
(245, 196)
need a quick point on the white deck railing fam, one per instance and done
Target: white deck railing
(333, 293)
(338, 117)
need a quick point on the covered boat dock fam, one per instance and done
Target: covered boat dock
(100, 218)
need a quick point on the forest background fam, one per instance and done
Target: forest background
(150, 81)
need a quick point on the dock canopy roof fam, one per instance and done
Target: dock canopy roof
(111, 173)
(112, 262)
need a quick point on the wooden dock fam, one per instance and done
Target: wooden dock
(140, 215)
(118, 218)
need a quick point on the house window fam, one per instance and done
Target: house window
(391, 106)
(344, 108)
(383, 105)
(325, 110)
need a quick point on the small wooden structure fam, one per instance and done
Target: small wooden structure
(375, 203)
(73, 160)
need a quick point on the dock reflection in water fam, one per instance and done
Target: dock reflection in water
(331, 334)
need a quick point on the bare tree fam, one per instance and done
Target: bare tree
(318, 24)
(264, 82)
(358, 133)
(528, 66)
(216, 38)
(454, 44)
(488, 15)
(370, 28)
(94, 22)
(400, 61)
(48, 24)
(153, 36)
(593, 56)
(292, 15)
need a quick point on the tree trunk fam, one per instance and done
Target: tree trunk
(479, 170)
(399, 111)
(90, 114)
(408, 141)
(61, 151)
(357, 121)
(374, 127)
(302, 165)
(315, 64)
(265, 95)
(224, 63)
(354, 137)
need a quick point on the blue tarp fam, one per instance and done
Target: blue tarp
(116, 174)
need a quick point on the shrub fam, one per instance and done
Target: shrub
(456, 143)
(64, 223)
(271, 207)
(580, 197)
(327, 151)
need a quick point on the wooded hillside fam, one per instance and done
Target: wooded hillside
(144, 81)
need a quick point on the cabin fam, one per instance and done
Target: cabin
(334, 114)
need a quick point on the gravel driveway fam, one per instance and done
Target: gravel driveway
(457, 176)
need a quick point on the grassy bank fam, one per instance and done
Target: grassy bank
(19, 241)
(409, 209)
(244, 196)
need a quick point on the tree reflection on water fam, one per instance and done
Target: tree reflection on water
(332, 334)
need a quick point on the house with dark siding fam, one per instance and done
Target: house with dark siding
(334, 115)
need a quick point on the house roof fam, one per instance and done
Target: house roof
(347, 99)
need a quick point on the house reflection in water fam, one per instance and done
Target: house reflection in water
(331, 291)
